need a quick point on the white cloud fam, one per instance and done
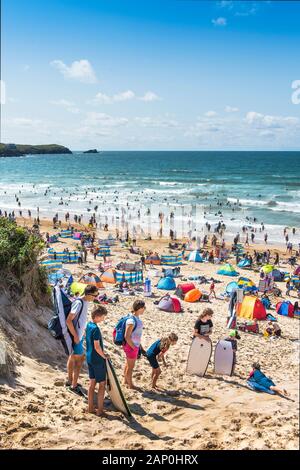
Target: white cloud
(67, 105)
(261, 121)
(230, 109)
(267, 134)
(219, 21)
(24, 122)
(102, 98)
(80, 70)
(150, 96)
(104, 120)
(210, 114)
(162, 122)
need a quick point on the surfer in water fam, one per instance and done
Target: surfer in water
(96, 360)
(156, 352)
(203, 326)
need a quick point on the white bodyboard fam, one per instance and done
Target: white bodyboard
(199, 356)
(223, 358)
(114, 390)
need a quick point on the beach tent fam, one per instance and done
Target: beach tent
(246, 284)
(51, 265)
(182, 289)
(171, 272)
(267, 269)
(244, 263)
(108, 276)
(134, 277)
(77, 288)
(227, 270)
(110, 241)
(62, 276)
(166, 283)
(277, 275)
(169, 303)
(251, 308)
(171, 260)
(231, 287)
(153, 259)
(195, 256)
(66, 234)
(91, 279)
(53, 239)
(285, 308)
(77, 235)
(193, 295)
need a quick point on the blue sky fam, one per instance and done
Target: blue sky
(168, 74)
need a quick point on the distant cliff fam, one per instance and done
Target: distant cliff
(17, 150)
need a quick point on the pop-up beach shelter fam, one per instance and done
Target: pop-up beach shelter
(166, 283)
(92, 279)
(251, 308)
(244, 263)
(267, 269)
(285, 308)
(169, 303)
(195, 256)
(108, 276)
(227, 270)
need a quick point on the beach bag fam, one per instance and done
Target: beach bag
(119, 330)
(54, 325)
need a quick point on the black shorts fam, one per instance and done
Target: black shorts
(153, 362)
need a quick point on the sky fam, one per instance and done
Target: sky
(151, 75)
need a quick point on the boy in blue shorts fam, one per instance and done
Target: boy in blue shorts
(96, 360)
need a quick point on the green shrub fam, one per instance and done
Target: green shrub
(19, 249)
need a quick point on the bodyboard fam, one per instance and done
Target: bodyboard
(199, 356)
(114, 390)
(224, 358)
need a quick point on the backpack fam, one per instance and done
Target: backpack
(54, 324)
(119, 330)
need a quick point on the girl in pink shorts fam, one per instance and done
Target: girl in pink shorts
(133, 336)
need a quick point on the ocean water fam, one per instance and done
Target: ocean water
(196, 186)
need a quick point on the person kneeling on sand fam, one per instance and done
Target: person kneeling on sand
(257, 376)
(76, 323)
(203, 326)
(133, 336)
(96, 360)
(156, 352)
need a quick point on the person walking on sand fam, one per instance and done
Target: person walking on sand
(156, 352)
(203, 326)
(96, 360)
(212, 290)
(76, 323)
(133, 336)
(260, 378)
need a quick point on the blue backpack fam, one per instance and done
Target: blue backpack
(119, 330)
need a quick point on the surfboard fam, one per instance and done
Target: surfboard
(199, 356)
(114, 390)
(223, 358)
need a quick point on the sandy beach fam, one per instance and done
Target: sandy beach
(189, 412)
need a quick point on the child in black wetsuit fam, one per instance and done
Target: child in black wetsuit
(157, 351)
